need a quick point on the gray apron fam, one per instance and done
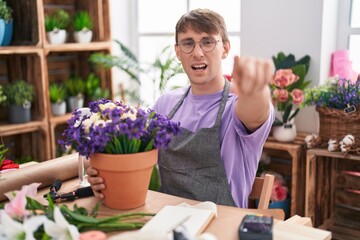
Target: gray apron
(191, 167)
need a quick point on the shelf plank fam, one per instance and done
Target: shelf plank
(13, 129)
(21, 50)
(71, 47)
(326, 153)
(60, 119)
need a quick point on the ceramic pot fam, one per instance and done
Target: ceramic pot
(285, 132)
(2, 30)
(8, 33)
(127, 177)
(57, 36)
(75, 102)
(83, 36)
(20, 113)
(58, 109)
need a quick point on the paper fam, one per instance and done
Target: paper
(194, 219)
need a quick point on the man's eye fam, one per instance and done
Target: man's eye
(187, 44)
(207, 42)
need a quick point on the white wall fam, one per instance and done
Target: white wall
(299, 27)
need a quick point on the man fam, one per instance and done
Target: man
(216, 156)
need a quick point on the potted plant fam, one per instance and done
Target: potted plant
(6, 24)
(82, 24)
(19, 95)
(75, 88)
(121, 142)
(93, 88)
(287, 93)
(57, 93)
(55, 26)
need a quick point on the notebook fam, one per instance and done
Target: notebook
(194, 219)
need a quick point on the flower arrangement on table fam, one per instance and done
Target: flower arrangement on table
(23, 217)
(338, 104)
(288, 84)
(116, 128)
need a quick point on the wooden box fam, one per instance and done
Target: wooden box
(98, 10)
(25, 67)
(27, 15)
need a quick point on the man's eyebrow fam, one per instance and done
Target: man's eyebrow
(187, 39)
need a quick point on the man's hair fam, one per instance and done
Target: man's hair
(202, 20)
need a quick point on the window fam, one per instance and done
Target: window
(349, 30)
(156, 29)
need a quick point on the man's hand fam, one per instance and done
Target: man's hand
(251, 79)
(97, 183)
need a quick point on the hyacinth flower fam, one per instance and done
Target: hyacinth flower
(115, 128)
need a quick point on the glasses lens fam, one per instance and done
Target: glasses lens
(207, 45)
(187, 46)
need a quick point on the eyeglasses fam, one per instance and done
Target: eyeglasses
(207, 45)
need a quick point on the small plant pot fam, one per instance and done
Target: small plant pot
(57, 36)
(83, 36)
(58, 109)
(75, 103)
(285, 132)
(20, 113)
(8, 34)
(2, 30)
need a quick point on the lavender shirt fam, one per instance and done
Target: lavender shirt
(240, 151)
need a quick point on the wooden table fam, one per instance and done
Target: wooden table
(224, 226)
(324, 181)
(296, 150)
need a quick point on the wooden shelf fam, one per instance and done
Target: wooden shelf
(30, 57)
(11, 129)
(75, 47)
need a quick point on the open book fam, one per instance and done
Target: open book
(193, 218)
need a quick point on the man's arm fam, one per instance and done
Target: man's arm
(251, 79)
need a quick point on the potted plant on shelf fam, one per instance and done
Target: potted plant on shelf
(82, 24)
(2, 95)
(287, 91)
(57, 93)
(75, 88)
(55, 26)
(121, 142)
(19, 95)
(6, 24)
(93, 88)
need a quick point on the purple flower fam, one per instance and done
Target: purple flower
(115, 128)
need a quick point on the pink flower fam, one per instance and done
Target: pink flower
(17, 204)
(284, 78)
(279, 192)
(281, 95)
(297, 96)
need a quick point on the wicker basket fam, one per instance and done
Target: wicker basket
(335, 123)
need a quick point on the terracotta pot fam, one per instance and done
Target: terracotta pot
(126, 177)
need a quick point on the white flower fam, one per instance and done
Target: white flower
(130, 114)
(14, 230)
(60, 229)
(108, 105)
(348, 140)
(83, 112)
(333, 145)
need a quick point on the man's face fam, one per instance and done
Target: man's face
(201, 66)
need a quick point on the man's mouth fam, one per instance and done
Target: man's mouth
(199, 67)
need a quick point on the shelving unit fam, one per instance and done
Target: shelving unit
(32, 58)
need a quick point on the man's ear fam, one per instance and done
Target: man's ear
(226, 49)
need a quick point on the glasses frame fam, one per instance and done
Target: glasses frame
(199, 42)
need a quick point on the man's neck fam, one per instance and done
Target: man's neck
(208, 88)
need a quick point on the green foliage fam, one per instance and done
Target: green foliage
(59, 19)
(23, 159)
(3, 150)
(75, 86)
(57, 92)
(93, 88)
(19, 92)
(2, 95)
(155, 179)
(82, 21)
(5, 11)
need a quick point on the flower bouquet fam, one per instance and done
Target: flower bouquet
(23, 217)
(338, 104)
(119, 138)
(287, 85)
